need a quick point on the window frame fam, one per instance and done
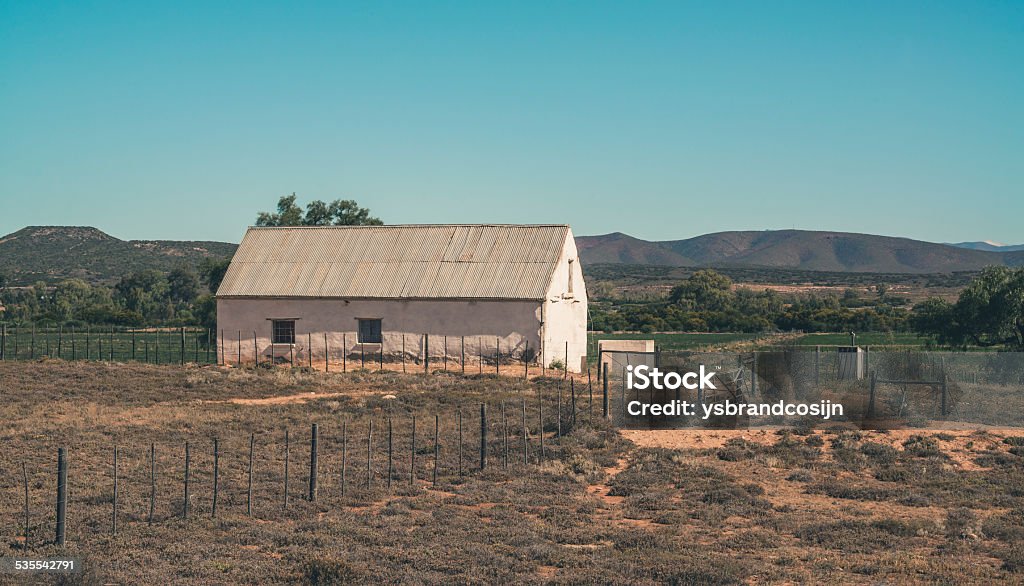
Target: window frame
(379, 330)
(275, 331)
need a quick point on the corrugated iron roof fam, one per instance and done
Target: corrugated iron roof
(396, 262)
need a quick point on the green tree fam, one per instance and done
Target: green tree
(705, 290)
(212, 271)
(182, 285)
(989, 312)
(340, 212)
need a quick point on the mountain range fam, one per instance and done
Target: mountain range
(55, 253)
(794, 249)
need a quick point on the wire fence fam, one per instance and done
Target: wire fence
(115, 344)
(344, 462)
(874, 389)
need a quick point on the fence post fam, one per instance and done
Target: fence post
(817, 359)
(152, 481)
(223, 349)
(526, 439)
(188, 463)
(3, 341)
(604, 381)
(239, 363)
(344, 456)
(309, 348)
(209, 339)
(327, 354)
(362, 356)
(113, 517)
(540, 422)
(73, 351)
(480, 354)
(182, 345)
(248, 500)
(497, 355)
(565, 372)
(369, 455)
(460, 441)
(403, 352)
(344, 352)
(445, 363)
(24, 477)
(483, 436)
(871, 397)
(112, 344)
(426, 353)
(504, 436)
(60, 341)
(437, 446)
(286, 456)
(412, 468)
(62, 495)
(462, 350)
(382, 351)
(32, 344)
(313, 463)
(216, 476)
(391, 446)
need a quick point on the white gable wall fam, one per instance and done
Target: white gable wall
(565, 313)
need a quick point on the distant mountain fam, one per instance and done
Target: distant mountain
(54, 253)
(989, 246)
(794, 249)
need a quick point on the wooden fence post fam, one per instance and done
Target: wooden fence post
(216, 476)
(390, 453)
(60, 341)
(462, 350)
(152, 481)
(255, 350)
(590, 400)
(286, 456)
(444, 366)
(426, 353)
(327, 354)
(412, 466)
(526, 439)
(24, 477)
(309, 348)
(248, 499)
(437, 446)
(113, 516)
(62, 495)
(188, 463)
(182, 345)
(344, 352)
(239, 363)
(565, 372)
(504, 436)
(460, 441)
(344, 456)
(223, 349)
(497, 355)
(540, 420)
(483, 436)
(313, 463)
(369, 455)
(403, 352)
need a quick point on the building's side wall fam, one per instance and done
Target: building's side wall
(485, 325)
(565, 313)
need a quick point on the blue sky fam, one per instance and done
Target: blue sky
(181, 120)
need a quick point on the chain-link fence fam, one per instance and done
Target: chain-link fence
(873, 389)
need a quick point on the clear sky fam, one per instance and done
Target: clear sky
(182, 120)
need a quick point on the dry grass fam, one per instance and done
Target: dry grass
(764, 508)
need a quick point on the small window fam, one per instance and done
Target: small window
(284, 331)
(370, 331)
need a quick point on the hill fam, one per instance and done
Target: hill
(989, 245)
(794, 249)
(54, 253)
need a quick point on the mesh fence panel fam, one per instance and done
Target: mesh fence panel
(876, 389)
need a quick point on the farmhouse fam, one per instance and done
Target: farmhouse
(316, 294)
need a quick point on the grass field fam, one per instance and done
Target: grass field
(683, 507)
(670, 341)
